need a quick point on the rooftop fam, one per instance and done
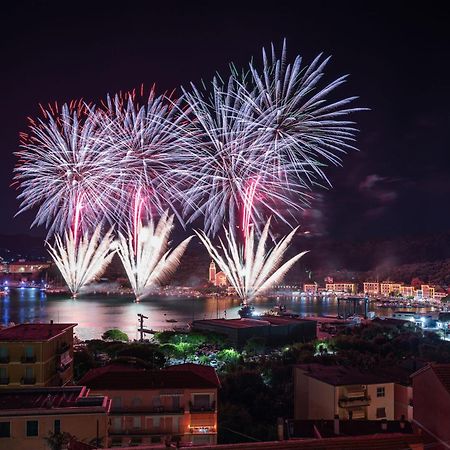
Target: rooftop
(343, 376)
(442, 372)
(34, 331)
(183, 376)
(49, 398)
(263, 321)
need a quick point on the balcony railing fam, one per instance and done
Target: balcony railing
(28, 380)
(354, 402)
(4, 359)
(146, 409)
(4, 380)
(202, 408)
(28, 359)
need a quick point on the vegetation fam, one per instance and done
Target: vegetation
(115, 335)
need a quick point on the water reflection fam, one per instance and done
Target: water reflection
(94, 315)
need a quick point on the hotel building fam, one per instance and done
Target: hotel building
(344, 288)
(371, 288)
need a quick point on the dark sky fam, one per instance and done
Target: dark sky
(398, 56)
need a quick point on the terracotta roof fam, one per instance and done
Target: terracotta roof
(343, 376)
(34, 331)
(185, 376)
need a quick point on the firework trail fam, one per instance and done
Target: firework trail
(253, 270)
(146, 257)
(81, 260)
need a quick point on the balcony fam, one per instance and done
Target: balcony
(4, 380)
(63, 348)
(61, 368)
(346, 402)
(28, 359)
(130, 410)
(28, 380)
(4, 359)
(202, 408)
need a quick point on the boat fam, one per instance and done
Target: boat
(246, 311)
(171, 320)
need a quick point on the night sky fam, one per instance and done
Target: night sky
(397, 55)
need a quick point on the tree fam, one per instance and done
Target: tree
(57, 441)
(115, 335)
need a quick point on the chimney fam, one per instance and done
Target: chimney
(336, 429)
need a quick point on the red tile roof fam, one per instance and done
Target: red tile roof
(442, 372)
(185, 376)
(34, 331)
(343, 376)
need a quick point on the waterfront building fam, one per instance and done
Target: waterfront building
(36, 354)
(407, 291)
(439, 295)
(431, 391)
(426, 292)
(326, 392)
(310, 289)
(27, 416)
(150, 405)
(274, 329)
(387, 288)
(371, 288)
(218, 279)
(341, 288)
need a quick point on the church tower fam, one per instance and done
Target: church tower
(212, 273)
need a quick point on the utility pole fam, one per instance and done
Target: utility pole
(141, 326)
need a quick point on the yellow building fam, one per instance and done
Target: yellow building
(324, 392)
(149, 405)
(407, 291)
(427, 292)
(387, 288)
(39, 354)
(344, 288)
(27, 416)
(371, 288)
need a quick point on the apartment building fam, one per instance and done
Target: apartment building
(27, 416)
(36, 354)
(407, 291)
(326, 392)
(179, 403)
(371, 288)
(344, 288)
(387, 288)
(310, 289)
(426, 292)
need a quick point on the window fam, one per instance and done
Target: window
(4, 354)
(176, 402)
(57, 426)
(5, 429)
(117, 423)
(201, 401)
(380, 391)
(32, 428)
(3, 375)
(156, 401)
(156, 422)
(136, 422)
(381, 413)
(116, 402)
(136, 402)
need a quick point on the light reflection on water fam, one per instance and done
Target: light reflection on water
(95, 314)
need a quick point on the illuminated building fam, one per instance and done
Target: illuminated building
(36, 354)
(218, 279)
(347, 288)
(371, 288)
(387, 288)
(425, 292)
(148, 405)
(407, 291)
(310, 289)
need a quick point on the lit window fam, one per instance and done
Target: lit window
(380, 391)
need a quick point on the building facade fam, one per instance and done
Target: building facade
(177, 403)
(371, 288)
(387, 288)
(218, 279)
(344, 288)
(27, 416)
(36, 355)
(310, 289)
(326, 392)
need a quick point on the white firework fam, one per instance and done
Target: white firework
(82, 259)
(251, 269)
(146, 257)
